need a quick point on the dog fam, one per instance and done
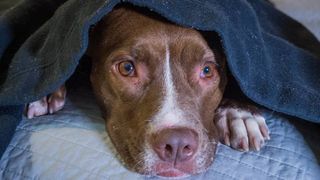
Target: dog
(161, 89)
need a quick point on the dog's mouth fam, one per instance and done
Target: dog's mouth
(180, 170)
(173, 173)
(166, 169)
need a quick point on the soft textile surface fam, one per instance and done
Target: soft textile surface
(274, 59)
(73, 144)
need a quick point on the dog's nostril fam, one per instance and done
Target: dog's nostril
(187, 150)
(168, 148)
(175, 145)
(168, 152)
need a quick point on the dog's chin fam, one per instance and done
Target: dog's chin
(165, 170)
(173, 173)
(179, 170)
(166, 173)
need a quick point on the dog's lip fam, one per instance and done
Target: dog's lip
(169, 169)
(172, 173)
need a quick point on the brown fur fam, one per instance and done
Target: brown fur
(130, 103)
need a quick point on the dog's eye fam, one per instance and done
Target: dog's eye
(208, 70)
(126, 68)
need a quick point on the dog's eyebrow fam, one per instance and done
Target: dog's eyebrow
(143, 52)
(209, 55)
(120, 54)
(218, 66)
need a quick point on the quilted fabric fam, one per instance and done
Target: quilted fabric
(73, 144)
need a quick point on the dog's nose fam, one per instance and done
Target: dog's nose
(175, 145)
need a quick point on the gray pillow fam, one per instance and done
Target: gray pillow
(73, 144)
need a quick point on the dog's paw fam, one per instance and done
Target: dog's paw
(53, 103)
(241, 126)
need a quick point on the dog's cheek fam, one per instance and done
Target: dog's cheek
(103, 91)
(206, 156)
(126, 130)
(131, 88)
(129, 92)
(209, 103)
(119, 140)
(113, 131)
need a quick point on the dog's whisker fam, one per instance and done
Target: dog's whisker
(139, 164)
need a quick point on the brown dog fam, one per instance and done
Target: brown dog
(160, 86)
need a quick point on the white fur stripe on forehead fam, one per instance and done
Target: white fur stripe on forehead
(170, 113)
(169, 86)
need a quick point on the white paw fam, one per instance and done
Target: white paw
(240, 128)
(51, 104)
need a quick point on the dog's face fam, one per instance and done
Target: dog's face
(159, 85)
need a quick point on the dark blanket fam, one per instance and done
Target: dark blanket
(274, 59)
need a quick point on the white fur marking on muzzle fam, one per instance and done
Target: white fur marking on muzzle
(170, 113)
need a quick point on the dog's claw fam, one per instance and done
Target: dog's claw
(37, 108)
(241, 145)
(265, 132)
(257, 144)
(227, 139)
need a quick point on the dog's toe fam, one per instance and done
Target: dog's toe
(262, 126)
(240, 144)
(222, 124)
(239, 136)
(254, 133)
(57, 100)
(37, 108)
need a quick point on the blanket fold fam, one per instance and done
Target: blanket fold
(274, 59)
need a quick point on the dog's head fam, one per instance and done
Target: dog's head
(159, 85)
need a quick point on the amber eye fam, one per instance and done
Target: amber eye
(126, 68)
(208, 70)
